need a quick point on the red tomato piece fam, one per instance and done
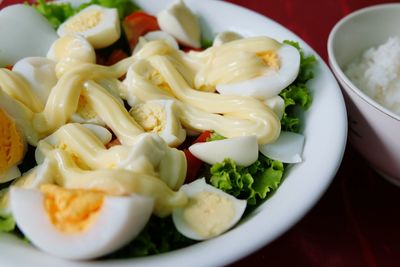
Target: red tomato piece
(203, 137)
(116, 56)
(114, 142)
(188, 49)
(137, 24)
(193, 163)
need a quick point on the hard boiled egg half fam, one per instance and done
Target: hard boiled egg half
(78, 224)
(70, 50)
(159, 116)
(25, 32)
(209, 212)
(243, 150)
(12, 148)
(226, 37)
(40, 73)
(179, 21)
(281, 69)
(99, 25)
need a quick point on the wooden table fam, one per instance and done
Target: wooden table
(357, 221)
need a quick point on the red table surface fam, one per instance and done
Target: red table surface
(357, 221)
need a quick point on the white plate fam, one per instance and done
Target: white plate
(325, 131)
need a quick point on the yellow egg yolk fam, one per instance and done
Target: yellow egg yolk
(84, 21)
(270, 59)
(157, 79)
(71, 210)
(209, 214)
(12, 144)
(85, 109)
(151, 117)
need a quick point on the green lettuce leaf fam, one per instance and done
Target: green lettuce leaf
(253, 183)
(297, 95)
(7, 223)
(215, 137)
(124, 7)
(56, 13)
(159, 236)
(206, 43)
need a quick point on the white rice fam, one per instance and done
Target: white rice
(377, 73)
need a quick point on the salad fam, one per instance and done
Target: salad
(130, 135)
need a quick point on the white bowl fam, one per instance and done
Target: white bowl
(374, 130)
(325, 131)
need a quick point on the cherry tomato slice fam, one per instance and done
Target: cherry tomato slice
(137, 24)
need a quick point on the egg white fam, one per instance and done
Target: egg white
(243, 150)
(105, 31)
(225, 37)
(272, 82)
(179, 21)
(40, 73)
(129, 215)
(192, 190)
(287, 148)
(30, 35)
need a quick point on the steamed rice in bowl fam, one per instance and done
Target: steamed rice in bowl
(362, 49)
(377, 73)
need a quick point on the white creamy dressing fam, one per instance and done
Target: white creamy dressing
(143, 163)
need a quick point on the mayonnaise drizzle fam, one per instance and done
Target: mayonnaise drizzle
(117, 182)
(180, 73)
(15, 86)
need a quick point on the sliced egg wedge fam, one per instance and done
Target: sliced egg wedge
(70, 175)
(153, 36)
(243, 150)
(25, 32)
(78, 224)
(151, 154)
(288, 148)
(161, 35)
(40, 73)
(10, 174)
(160, 116)
(99, 25)
(209, 212)
(179, 21)
(21, 115)
(282, 68)
(277, 104)
(225, 37)
(69, 51)
(41, 174)
(12, 148)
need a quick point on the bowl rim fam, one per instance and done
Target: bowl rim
(339, 73)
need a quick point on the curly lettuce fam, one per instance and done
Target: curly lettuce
(7, 223)
(297, 95)
(56, 13)
(159, 236)
(253, 183)
(124, 7)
